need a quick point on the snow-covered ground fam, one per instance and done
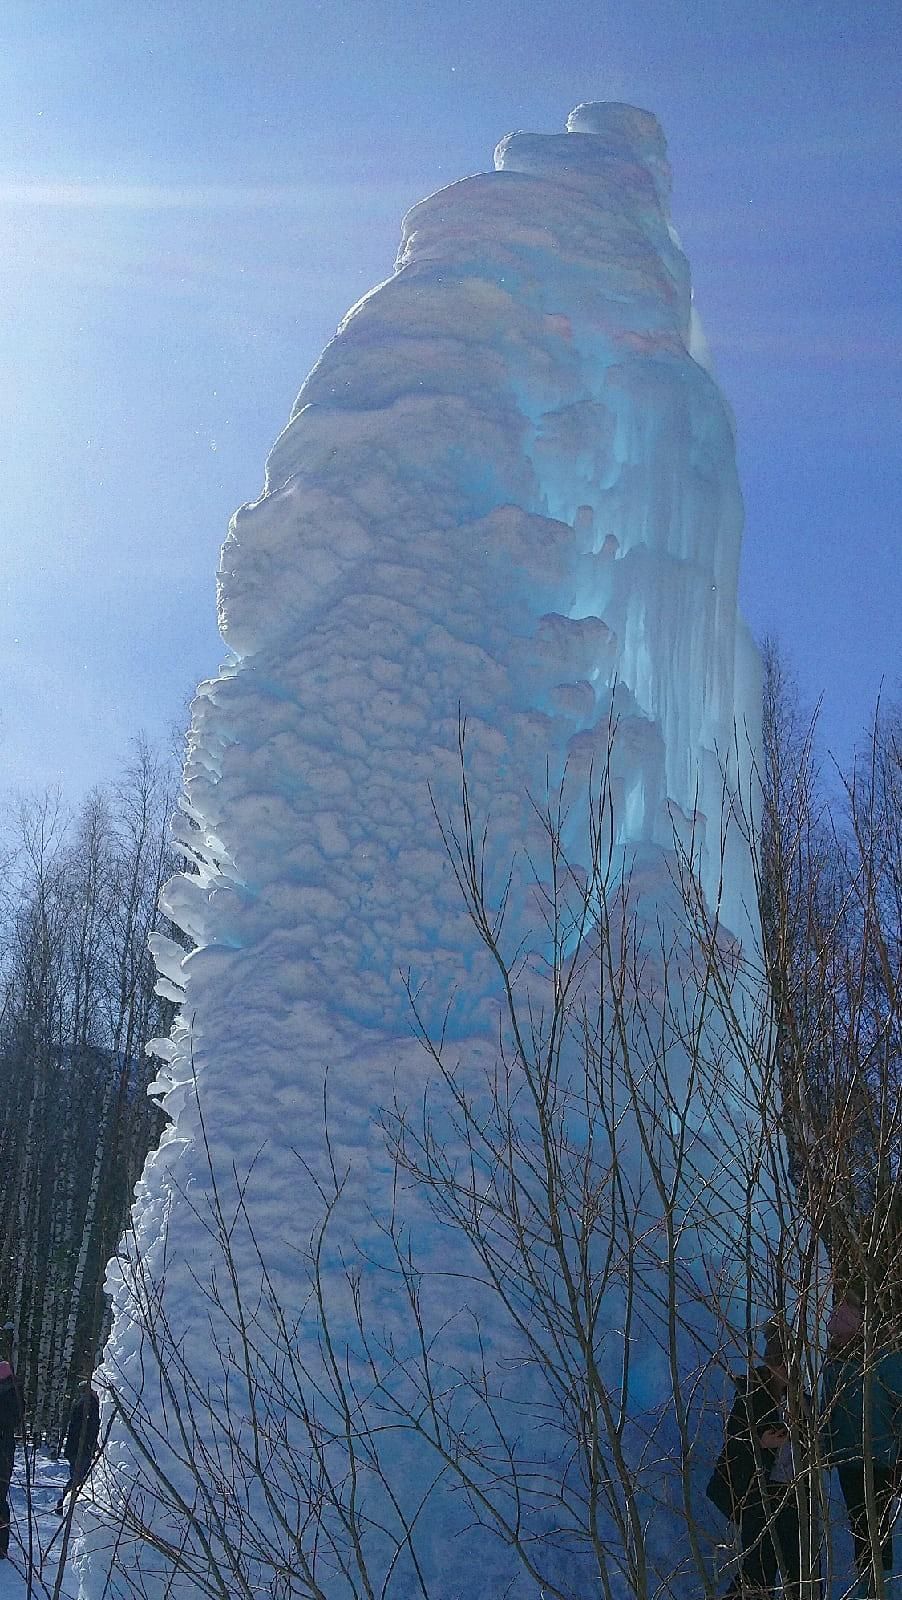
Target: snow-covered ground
(47, 1533)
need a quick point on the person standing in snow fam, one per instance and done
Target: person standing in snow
(862, 1434)
(10, 1424)
(81, 1439)
(752, 1482)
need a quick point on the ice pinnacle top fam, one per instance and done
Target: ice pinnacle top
(604, 140)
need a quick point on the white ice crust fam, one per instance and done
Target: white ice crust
(507, 487)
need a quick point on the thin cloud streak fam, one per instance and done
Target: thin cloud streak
(196, 197)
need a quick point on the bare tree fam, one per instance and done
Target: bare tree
(604, 1195)
(831, 881)
(78, 1002)
(678, 1140)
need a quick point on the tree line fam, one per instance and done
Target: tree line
(77, 1005)
(830, 898)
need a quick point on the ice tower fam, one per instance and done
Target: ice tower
(507, 488)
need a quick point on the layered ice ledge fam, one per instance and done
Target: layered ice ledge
(535, 348)
(507, 487)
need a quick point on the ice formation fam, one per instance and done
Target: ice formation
(507, 489)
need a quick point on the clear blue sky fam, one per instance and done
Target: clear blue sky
(192, 193)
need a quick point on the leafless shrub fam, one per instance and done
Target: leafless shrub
(679, 1139)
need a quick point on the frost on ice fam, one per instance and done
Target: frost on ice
(507, 490)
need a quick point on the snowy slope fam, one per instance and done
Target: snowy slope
(507, 489)
(40, 1554)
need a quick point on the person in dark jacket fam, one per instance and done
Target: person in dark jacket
(81, 1439)
(752, 1482)
(862, 1411)
(10, 1425)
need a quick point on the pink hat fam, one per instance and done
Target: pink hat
(844, 1321)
